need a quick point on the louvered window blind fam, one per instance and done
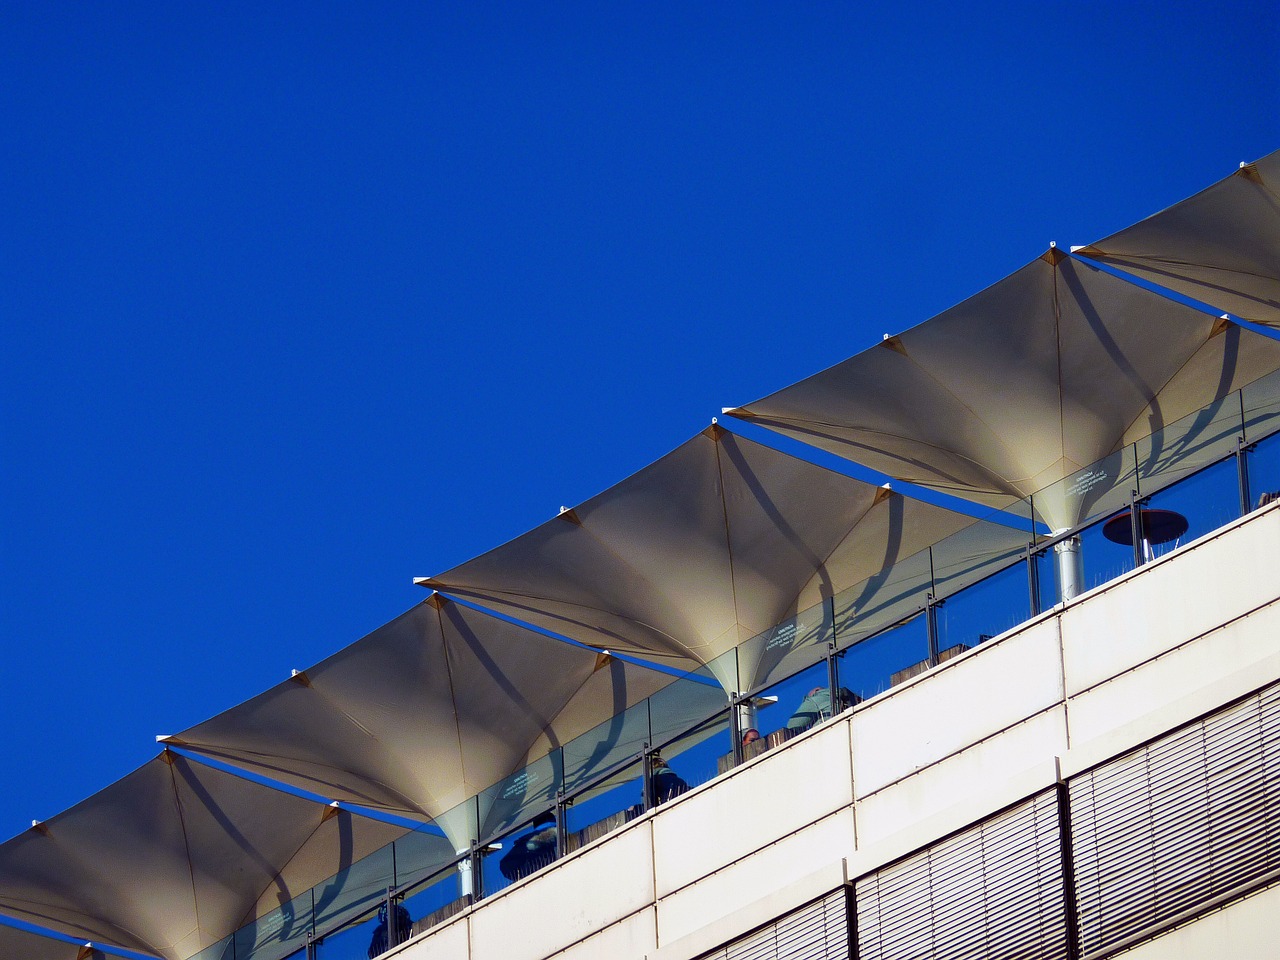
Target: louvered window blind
(993, 891)
(819, 931)
(1171, 825)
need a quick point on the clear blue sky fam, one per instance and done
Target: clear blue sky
(300, 301)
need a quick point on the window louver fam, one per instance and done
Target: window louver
(1176, 823)
(819, 931)
(993, 891)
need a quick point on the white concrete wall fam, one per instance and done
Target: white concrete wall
(1125, 662)
(1242, 930)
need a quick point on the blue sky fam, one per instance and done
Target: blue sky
(300, 302)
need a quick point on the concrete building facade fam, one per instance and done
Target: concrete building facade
(1102, 780)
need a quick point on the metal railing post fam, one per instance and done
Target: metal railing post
(646, 765)
(1242, 474)
(393, 925)
(476, 861)
(735, 729)
(931, 627)
(562, 825)
(1135, 528)
(833, 678)
(1033, 578)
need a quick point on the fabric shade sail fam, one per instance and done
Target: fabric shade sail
(1221, 247)
(441, 705)
(17, 944)
(1022, 386)
(709, 549)
(175, 857)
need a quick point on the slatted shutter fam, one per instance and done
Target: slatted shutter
(992, 891)
(1167, 827)
(819, 931)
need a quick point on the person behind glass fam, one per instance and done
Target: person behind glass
(403, 925)
(665, 782)
(817, 706)
(532, 851)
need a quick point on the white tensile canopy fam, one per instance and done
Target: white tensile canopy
(178, 855)
(712, 546)
(440, 705)
(1023, 385)
(1221, 247)
(16, 943)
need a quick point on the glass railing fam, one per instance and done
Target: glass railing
(920, 611)
(1264, 470)
(875, 663)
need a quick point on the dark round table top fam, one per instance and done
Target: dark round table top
(1159, 526)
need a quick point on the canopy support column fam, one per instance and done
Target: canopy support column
(1070, 564)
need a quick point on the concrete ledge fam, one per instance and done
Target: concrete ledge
(742, 921)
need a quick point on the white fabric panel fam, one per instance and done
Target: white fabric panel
(18, 944)
(176, 856)
(428, 711)
(1023, 385)
(1221, 247)
(706, 549)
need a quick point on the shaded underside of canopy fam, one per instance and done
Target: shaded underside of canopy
(1024, 384)
(426, 712)
(1221, 246)
(705, 550)
(16, 944)
(175, 856)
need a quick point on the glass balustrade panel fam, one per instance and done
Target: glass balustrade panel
(277, 933)
(1204, 501)
(983, 610)
(525, 850)
(1264, 470)
(511, 801)
(692, 701)
(436, 896)
(894, 595)
(1260, 401)
(353, 892)
(874, 664)
(786, 648)
(1190, 445)
(977, 552)
(786, 708)
(695, 757)
(605, 806)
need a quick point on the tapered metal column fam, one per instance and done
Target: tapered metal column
(1070, 563)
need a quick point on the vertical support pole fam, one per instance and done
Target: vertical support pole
(1066, 849)
(1135, 528)
(735, 734)
(1033, 578)
(646, 766)
(476, 860)
(466, 880)
(393, 931)
(1242, 459)
(931, 615)
(1070, 568)
(1242, 474)
(931, 626)
(562, 825)
(311, 945)
(833, 679)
